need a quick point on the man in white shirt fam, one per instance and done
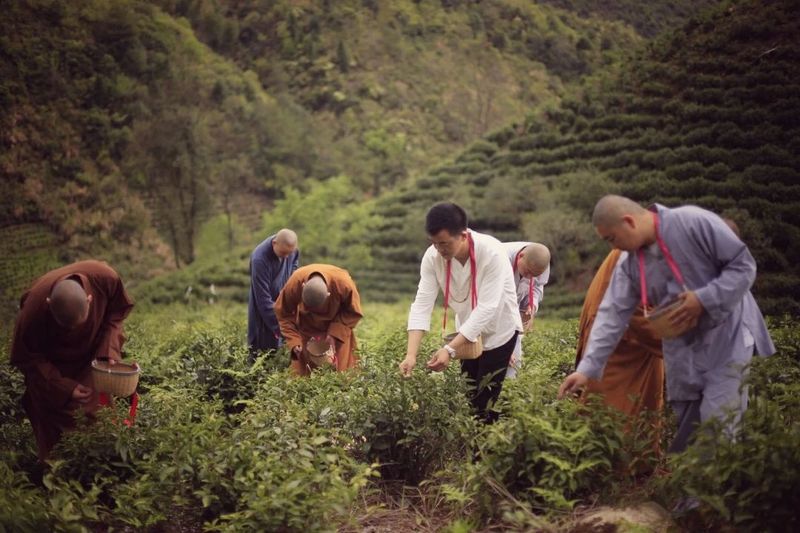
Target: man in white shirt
(482, 295)
(530, 262)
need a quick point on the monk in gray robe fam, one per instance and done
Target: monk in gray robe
(530, 262)
(691, 255)
(67, 318)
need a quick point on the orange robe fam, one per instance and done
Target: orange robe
(54, 360)
(338, 317)
(633, 379)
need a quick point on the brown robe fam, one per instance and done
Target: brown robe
(633, 379)
(338, 317)
(53, 359)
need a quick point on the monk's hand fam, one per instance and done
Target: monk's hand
(572, 384)
(407, 365)
(331, 342)
(297, 350)
(689, 312)
(439, 360)
(81, 393)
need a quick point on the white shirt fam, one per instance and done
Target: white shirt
(523, 284)
(496, 316)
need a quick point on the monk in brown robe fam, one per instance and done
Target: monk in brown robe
(67, 318)
(634, 375)
(319, 301)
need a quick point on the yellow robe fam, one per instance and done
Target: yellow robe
(337, 318)
(634, 375)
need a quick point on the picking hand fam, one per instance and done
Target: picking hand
(81, 393)
(407, 365)
(439, 360)
(573, 383)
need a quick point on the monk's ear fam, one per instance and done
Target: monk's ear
(88, 298)
(47, 300)
(629, 220)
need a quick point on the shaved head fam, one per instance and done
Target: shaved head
(284, 243)
(315, 291)
(536, 257)
(69, 303)
(610, 209)
(286, 237)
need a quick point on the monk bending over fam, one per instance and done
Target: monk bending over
(319, 301)
(67, 318)
(530, 262)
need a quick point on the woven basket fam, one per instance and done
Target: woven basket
(119, 379)
(318, 351)
(659, 321)
(468, 350)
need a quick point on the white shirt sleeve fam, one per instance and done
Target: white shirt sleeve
(419, 316)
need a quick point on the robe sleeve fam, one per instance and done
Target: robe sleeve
(736, 265)
(110, 336)
(261, 278)
(43, 380)
(490, 294)
(349, 313)
(538, 288)
(286, 312)
(613, 315)
(419, 315)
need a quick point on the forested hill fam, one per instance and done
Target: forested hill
(708, 115)
(126, 126)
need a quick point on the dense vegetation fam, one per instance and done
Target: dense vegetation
(125, 127)
(225, 446)
(705, 115)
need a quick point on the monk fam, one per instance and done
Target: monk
(319, 301)
(67, 318)
(690, 255)
(633, 379)
(530, 262)
(271, 264)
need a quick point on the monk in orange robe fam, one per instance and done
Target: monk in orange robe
(634, 375)
(319, 301)
(67, 318)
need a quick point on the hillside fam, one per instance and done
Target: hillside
(122, 134)
(395, 87)
(706, 115)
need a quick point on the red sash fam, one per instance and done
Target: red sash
(673, 266)
(531, 285)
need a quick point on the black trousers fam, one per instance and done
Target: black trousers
(486, 374)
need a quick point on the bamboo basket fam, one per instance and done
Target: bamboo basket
(659, 320)
(119, 379)
(468, 350)
(318, 351)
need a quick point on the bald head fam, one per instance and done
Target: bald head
(284, 243)
(536, 258)
(315, 292)
(610, 210)
(623, 223)
(287, 237)
(69, 303)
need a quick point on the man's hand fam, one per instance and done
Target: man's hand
(439, 360)
(689, 313)
(573, 383)
(81, 393)
(331, 342)
(407, 365)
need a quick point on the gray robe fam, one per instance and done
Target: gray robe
(707, 361)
